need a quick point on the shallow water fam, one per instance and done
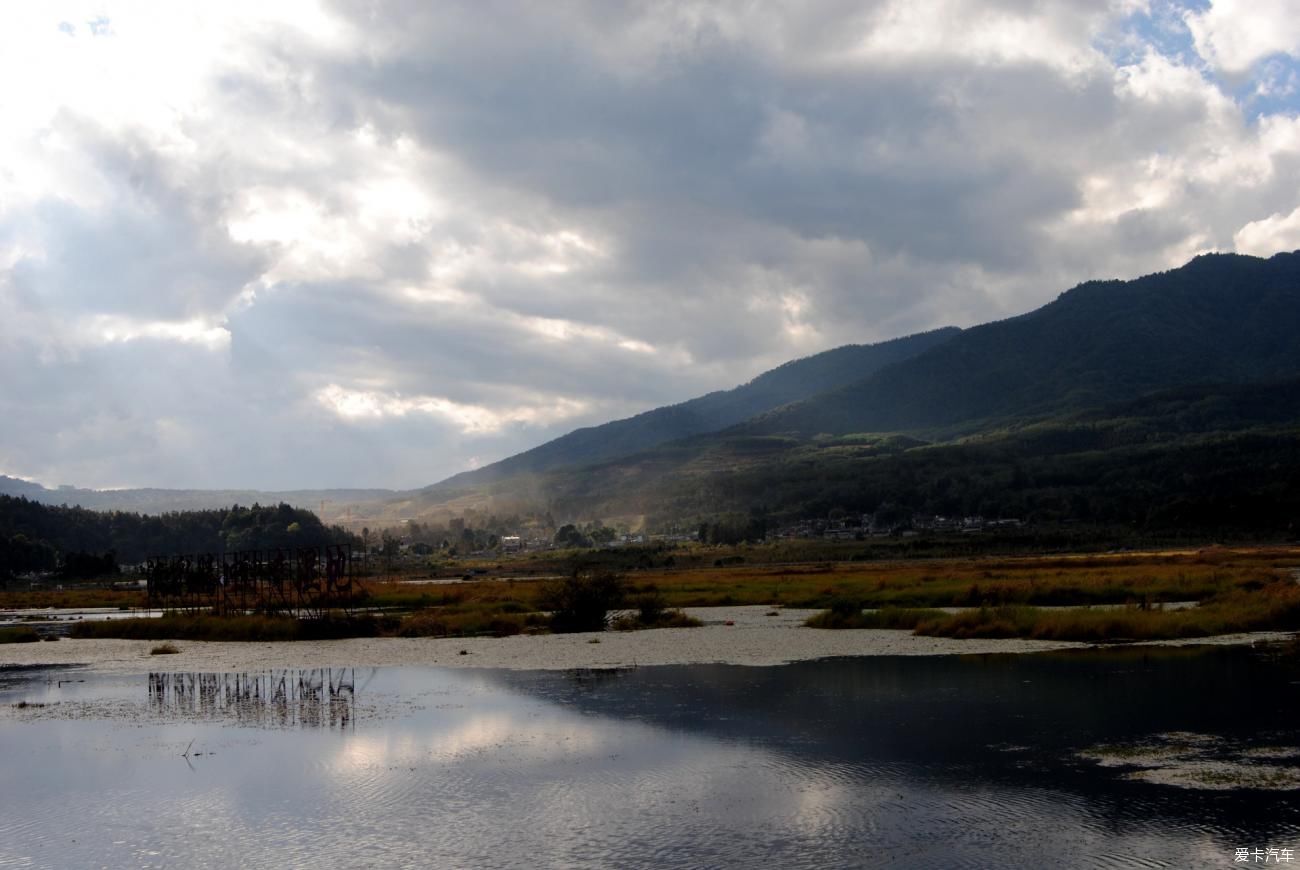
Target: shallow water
(991, 761)
(56, 622)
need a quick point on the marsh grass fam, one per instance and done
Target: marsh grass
(636, 621)
(992, 581)
(1275, 607)
(19, 634)
(1137, 578)
(1238, 589)
(473, 622)
(887, 617)
(71, 596)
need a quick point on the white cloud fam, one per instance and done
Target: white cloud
(471, 419)
(109, 329)
(985, 33)
(1234, 35)
(1263, 238)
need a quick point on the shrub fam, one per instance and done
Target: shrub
(164, 649)
(19, 634)
(886, 617)
(665, 619)
(650, 606)
(677, 619)
(582, 601)
(436, 623)
(846, 608)
(843, 613)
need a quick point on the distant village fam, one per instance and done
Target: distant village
(855, 528)
(460, 538)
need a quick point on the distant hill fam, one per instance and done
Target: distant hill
(17, 487)
(790, 382)
(159, 501)
(1220, 318)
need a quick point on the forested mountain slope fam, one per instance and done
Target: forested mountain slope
(1220, 318)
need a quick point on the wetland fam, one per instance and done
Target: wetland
(1136, 756)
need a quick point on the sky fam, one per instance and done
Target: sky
(305, 244)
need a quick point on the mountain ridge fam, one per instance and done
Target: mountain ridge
(711, 412)
(1217, 334)
(1099, 342)
(156, 500)
(1223, 325)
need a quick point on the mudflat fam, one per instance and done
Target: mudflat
(757, 636)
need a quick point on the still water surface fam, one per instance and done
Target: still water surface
(881, 762)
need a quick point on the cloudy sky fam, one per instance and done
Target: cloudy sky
(297, 244)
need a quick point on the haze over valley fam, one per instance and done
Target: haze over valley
(1178, 364)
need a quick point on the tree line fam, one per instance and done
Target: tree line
(81, 542)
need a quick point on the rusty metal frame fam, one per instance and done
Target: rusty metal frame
(308, 582)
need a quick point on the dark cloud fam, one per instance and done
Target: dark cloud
(372, 246)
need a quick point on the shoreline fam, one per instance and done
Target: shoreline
(754, 639)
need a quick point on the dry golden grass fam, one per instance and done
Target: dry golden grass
(1152, 577)
(1244, 607)
(439, 622)
(71, 596)
(1276, 607)
(1055, 580)
(1230, 580)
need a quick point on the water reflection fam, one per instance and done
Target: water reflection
(876, 763)
(1002, 736)
(964, 714)
(285, 698)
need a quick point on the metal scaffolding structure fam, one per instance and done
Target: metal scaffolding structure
(308, 582)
